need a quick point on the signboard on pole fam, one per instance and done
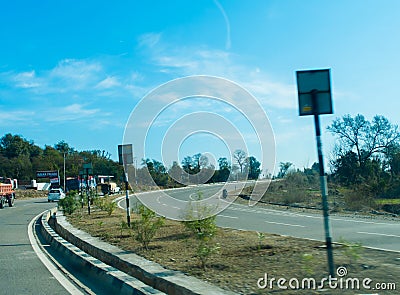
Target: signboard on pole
(314, 89)
(125, 154)
(47, 174)
(314, 83)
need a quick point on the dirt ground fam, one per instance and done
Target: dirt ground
(26, 194)
(243, 258)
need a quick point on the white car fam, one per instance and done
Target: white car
(55, 194)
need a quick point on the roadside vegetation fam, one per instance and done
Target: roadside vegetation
(364, 165)
(242, 257)
(202, 225)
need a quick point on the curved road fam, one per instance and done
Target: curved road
(371, 232)
(21, 270)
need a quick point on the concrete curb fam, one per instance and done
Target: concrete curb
(120, 282)
(148, 272)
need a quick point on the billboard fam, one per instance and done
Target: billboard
(47, 174)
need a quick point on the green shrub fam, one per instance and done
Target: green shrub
(202, 224)
(261, 238)
(146, 226)
(351, 250)
(69, 204)
(105, 204)
(308, 262)
(359, 198)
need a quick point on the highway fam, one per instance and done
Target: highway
(371, 232)
(21, 269)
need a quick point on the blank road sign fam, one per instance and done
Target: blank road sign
(125, 154)
(314, 82)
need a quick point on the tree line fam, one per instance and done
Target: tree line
(365, 158)
(20, 158)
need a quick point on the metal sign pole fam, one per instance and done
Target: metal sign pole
(128, 209)
(125, 157)
(324, 186)
(87, 190)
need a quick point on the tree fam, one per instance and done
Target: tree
(253, 168)
(223, 173)
(363, 137)
(175, 173)
(363, 150)
(187, 164)
(240, 157)
(13, 146)
(62, 147)
(347, 169)
(157, 171)
(283, 169)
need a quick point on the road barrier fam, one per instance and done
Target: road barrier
(136, 267)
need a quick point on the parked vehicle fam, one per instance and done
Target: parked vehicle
(7, 193)
(55, 194)
(110, 188)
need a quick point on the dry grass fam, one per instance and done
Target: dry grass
(242, 260)
(27, 194)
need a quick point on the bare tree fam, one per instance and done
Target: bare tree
(363, 137)
(240, 157)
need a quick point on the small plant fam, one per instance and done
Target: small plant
(123, 225)
(69, 204)
(105, 204)
(202, 224)
(352, 250)
(146, 226)
(308, 262)
(261, 237)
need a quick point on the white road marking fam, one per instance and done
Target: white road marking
(362, 221)
(226, 216)
(58, 275)
(287, 224)
(377, 234)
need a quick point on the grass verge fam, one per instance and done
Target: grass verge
(243, 256)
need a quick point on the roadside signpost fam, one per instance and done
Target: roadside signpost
(88, 169)
(81, 177)
(314, 92)
(125, 157)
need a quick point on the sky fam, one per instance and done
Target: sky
(79, 70)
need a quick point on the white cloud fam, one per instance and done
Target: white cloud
(71, 113)
(108, 82)
(13, 117)
(203, 61)
(149, 40)
(75, 74)
(273, 94)
(26, 80)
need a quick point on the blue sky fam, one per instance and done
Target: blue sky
(75, 70)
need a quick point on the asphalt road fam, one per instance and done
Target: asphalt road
(21, 271)
(371, 232)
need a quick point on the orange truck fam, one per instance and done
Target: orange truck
(7, 193)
